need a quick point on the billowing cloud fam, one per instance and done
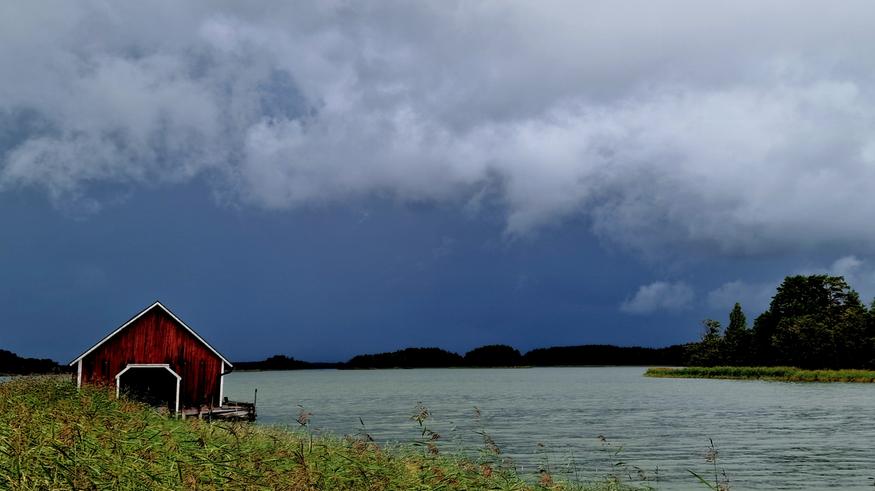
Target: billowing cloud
(753, 297)
(756, 296)
(859, 273)
(659, 295)
(735, 128)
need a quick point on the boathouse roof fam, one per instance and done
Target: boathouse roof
(155, 305)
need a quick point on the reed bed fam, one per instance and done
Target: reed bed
(53, 436)
(782, 374)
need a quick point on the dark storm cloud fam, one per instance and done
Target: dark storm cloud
(743, 127)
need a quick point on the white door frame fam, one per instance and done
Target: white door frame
(148, 365)
(222, 385)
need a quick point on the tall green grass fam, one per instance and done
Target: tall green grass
(784, 374)
(53, 436)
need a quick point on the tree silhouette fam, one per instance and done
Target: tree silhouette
(737, 339)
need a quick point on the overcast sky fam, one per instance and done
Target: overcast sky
(326, 178)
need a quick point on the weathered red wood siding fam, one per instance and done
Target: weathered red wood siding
(156, 338)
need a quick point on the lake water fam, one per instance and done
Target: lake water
(769, 435)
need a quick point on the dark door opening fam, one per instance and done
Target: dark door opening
(155, 386)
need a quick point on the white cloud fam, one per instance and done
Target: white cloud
(847, 266)
(860, 274)
(727, 127)
(659, 295)
(753, 297)
(756, 296)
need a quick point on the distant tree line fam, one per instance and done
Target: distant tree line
(498, 355)
(407, 358)
(493, 355)
(280, 362)
(603, 354)
(12, 364)
(813, 321)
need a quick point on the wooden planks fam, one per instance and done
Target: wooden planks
(157, 338)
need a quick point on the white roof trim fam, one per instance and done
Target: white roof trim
(148, 365)
(126, 324)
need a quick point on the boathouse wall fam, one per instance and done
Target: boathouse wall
(156, 337)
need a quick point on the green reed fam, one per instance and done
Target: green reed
(783, 374)
(53, 436)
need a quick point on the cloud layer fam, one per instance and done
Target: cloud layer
(735, 129)
(659, 295)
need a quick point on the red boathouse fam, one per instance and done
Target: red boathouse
(158, 358)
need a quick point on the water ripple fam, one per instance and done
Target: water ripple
(769, 435)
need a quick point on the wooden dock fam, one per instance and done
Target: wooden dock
(228, 411)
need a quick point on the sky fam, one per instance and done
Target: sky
(326, 178)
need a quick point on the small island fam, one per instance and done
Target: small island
(816, 329)
(776, 374)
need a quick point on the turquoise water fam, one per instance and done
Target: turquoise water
(769, 435)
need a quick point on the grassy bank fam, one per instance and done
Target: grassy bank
(783, 374)
(55, 437)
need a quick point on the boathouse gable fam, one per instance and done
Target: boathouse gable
(156, 348)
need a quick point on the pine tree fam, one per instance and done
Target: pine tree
(707, 352)
(737, 340)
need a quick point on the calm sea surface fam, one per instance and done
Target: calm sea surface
(769, 435)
